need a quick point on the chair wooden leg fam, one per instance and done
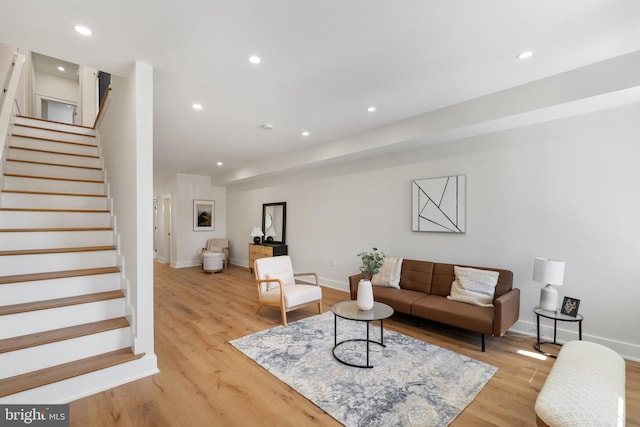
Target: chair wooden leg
(284, 316)
(258, 307)
(319, 307)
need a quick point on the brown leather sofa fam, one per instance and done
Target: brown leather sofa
(424, 287)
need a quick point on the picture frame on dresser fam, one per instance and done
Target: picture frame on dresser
(203, 215)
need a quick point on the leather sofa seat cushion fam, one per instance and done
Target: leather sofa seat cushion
(454, 313)
(399, 299)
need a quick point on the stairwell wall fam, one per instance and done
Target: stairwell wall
(126, 138)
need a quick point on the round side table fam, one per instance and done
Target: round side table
(555, 316)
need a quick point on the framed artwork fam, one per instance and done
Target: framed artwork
(439, 204)
(203, 215)
(570, 306)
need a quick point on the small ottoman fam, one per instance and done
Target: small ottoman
(212, 261)
(586, 387)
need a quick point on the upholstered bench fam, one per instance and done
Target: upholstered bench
(586, 387)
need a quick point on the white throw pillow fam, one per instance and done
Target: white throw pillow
(286, 277)
(474, 286)
(389, 274)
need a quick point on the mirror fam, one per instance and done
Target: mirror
(274, 223)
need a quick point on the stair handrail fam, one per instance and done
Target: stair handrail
(103, 105)
(9, 95)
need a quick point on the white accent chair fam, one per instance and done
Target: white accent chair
(216, 246)
(277, 286)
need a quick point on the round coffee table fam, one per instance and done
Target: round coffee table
(349, 310)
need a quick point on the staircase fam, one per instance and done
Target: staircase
(62, 308)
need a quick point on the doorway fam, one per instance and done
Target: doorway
(56, 110)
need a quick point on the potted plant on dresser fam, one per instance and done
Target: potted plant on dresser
(371, 264)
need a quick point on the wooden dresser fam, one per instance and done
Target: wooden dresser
(264, 251)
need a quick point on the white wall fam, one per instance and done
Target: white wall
(187, 244)
(126, 136)
(565, 189)
(57, 87)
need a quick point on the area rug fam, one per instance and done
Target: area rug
(412, 383)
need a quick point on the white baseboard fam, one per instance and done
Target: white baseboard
(569, 331)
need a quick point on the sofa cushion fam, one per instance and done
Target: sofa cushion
(443, 277)
(474, 286)
(389, 275)
(399, 299)
(454, 313)
(416, 275)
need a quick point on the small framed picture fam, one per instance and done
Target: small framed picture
(570, 306)
(203, 211)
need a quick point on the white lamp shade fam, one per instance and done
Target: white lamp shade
(257, 232)
(548, 271)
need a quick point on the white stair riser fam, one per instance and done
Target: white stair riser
(21, 240)
(31, 359)
(37, 290)
(51, 125)
(41, 263)
(15, 325)
(17, 219)
(55, 185)
(59, 147)
(52, 170)
(60, 159)
(52, 201)
(50, 134)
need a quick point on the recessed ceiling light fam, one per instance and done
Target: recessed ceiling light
(60, 68)
(305, 133)
(197, 106)
(83, 30)
(371, 109)
(255, 59)
(267, 126)
(525, 55)
(219, 163)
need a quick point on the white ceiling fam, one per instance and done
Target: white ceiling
(324, 63)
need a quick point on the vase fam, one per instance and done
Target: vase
(365, 295)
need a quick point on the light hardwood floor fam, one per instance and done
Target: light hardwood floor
(203, 381)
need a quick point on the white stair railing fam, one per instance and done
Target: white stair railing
(8, 96)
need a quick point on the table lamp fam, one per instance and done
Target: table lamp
(256, 234)
(551, 272)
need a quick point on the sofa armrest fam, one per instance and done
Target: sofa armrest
(353, 284)
(507, 311)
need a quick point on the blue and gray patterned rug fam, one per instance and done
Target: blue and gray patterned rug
(412, 383)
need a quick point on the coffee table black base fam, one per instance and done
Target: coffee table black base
(355, 365)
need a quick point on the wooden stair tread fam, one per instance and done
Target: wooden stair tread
(58, 250)
(59, 302)
(65, 371)
(55, 335)
(53, 210)
(61, 141)
(33, 162)
(47, 129)
(57, 275)
(53, 121)
(52, 193)
(53, 152)
(54, 178)
(32, 230)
